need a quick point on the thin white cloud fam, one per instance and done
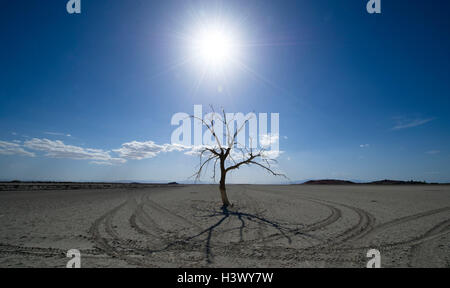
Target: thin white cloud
(271, 154)
(235, 154)
(58, 134)
(102, 163)
(433, 152)
(9, 148)
(364, 146)
(143, 150)
(134, 150)
(403, 123)
(195, 150)
(265, 140)
(57, 149)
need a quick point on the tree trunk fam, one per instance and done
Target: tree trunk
(223, 194)
(223, 190)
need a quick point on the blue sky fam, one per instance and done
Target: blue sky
(360, 96)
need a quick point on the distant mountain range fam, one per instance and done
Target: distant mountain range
(188, 182)
(380, 182)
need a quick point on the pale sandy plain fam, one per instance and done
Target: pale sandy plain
(268, 226)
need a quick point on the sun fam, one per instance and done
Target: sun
(215, 47)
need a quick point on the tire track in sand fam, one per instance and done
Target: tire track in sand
(151, 229)
(402, 220)
(102, 242)
(335, 214)
(364, 225)
(180, 219)
(8, 249)
(418, 249)
(138, 252)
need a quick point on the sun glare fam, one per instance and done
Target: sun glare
(215, 47)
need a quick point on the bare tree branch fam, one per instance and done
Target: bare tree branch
(221, 156)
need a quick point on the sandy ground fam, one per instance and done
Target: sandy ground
(268, 226)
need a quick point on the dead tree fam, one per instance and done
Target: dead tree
(232, 155)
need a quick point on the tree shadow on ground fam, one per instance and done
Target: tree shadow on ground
(282, 229)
